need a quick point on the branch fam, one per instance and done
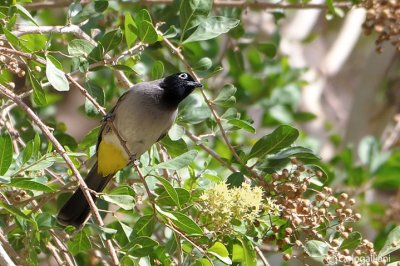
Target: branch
(261, 255)
(60, 150)
(6, 250)
(217, 3)
(122, 80)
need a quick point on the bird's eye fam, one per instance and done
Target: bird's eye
(183, 76)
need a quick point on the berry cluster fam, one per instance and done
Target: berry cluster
(383, 17)
(316, 215)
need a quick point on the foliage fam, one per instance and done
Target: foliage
(217, 187)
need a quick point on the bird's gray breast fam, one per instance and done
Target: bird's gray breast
(140, 119)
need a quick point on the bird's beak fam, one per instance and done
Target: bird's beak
(195, 84)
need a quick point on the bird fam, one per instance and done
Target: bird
(142, 116)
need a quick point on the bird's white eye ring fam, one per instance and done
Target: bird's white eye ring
(183, 76)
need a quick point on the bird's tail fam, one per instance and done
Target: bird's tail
(76, 209)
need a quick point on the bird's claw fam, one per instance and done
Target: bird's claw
(109, 117)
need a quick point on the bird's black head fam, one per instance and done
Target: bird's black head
(177, 87)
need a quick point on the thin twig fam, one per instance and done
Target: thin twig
(216, 156)
(261, 255)
(60, 150)
(9, 250)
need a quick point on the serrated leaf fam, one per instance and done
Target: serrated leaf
(279, 139)
(243, 124)
(170, 190)
(79, 243)
(392, 243)
(178, 162)
(157, 71)
(145, 225)
(6, 151)
(131, 30)
(316, 249)
(212, 27)
(352, 241)
(219, 250)
(126, 202)
(56, 77)
(29, 184)
(78, 47)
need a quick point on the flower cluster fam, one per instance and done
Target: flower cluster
(383, 17)
(223, 204)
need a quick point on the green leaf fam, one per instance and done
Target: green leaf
(165, 200)
(38, 95)
(33, 42)
(56, 77)
(157, 71)
(79, 243)
(126, 202)
(192, 12)
(6, 152)
(29, 184)
(193, 110)
(212, 27)
(269, 49)
(392, 243)
(235, 180)
(27, 152)
(203, 64)
(11, 37)
(131, 30)
(98, 94)
(147, 32)
(111, 40)
(280, 138)
(203, 262)
(249, 252)
(227, 92)
(142, 246)
(243, 124)
(178, 162)
(145, 225)
(143, 15)
(316, 249)
(79, 47)
(297, 151)
(352, 241)
(25, 13)
(186, 224)
(237, 253)
(100, 5)
(220, 251)
(15, 211)
(176, 132)
(170, 190)
(126, 229)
